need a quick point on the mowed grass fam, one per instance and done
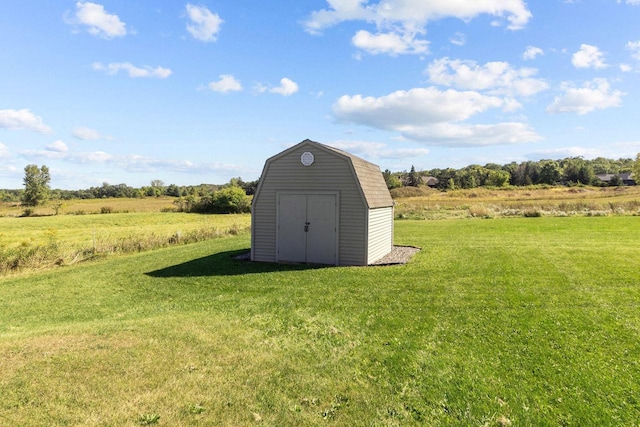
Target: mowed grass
(522, 321)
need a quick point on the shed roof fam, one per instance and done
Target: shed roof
(374, 187)
(369, 178)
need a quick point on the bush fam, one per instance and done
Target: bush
(228, 200)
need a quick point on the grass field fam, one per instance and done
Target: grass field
(86, 229)
(519, 201)
(93, 206)
(41, 242)
(519, 321)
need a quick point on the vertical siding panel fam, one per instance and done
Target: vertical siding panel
(380, 233)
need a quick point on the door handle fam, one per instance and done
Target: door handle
(306, 227)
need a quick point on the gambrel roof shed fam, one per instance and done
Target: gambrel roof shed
(319, 204)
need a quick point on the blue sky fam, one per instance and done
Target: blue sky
(123, 91)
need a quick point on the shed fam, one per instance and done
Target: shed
(318, 204)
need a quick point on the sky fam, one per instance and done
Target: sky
(127, 92)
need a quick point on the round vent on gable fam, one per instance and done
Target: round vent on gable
(307, 158)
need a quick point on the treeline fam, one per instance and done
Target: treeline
(568, 171)
(156, 189)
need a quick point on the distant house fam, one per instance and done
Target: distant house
(318, 204)
(626, 178)
(430, 181)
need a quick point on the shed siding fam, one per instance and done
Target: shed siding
(328, 173)
(380, 233)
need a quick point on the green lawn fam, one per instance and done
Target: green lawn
(524, 321)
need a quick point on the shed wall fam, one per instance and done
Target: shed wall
(330, 173)
(380, 233)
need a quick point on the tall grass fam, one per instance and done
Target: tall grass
(520, 202)
(43, 242)
(90, 206)
(502, 322)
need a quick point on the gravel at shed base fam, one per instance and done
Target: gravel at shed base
(398, 255)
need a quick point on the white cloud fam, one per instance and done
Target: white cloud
(287, 87)
(22, 119)
(398, 22)
(227, 83)
(58, 147)
(10, 171)
(4, 151)
(415, 12)
(86, 134)
(432, 116)
(132, 70)
(565, 152)
(625, 68)
(389, 43)
(467, 135)
(531, 52)
(136, 163)
(634, 47)
(204, 25)
(92, 157)
(378, 150)
(419, 105)
(588, 57)
(495, 77)
(132, 162)
(458, 39)
(593, 95)
(99, 22)
(82, 157)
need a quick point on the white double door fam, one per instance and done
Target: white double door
(307, 228)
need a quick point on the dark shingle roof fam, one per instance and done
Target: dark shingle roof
(372, 183)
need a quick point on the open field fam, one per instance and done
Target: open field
(93, 206)
(41, 242)
(520, 201)
(84, 229)
(518, 321)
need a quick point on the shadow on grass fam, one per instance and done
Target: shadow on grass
(225, 264)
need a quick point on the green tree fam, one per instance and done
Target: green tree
(157, 183)
(635, 168)
(36, 185)
(550, 172)
(497, 178)
(413, 180)
(227, 200)
(451, 184)
(615, 181)
(391, 180)
(172, 190)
